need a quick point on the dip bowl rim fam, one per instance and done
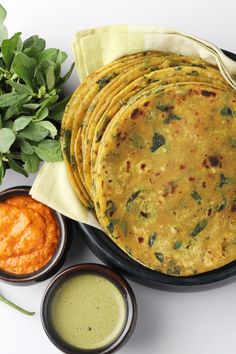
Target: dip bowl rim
(52, 266)
(108, 273)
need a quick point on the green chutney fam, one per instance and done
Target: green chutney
(88, 311)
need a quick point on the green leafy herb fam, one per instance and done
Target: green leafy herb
(159, 256)
(21, 122)
(7, 138)
(111, 225)
(49, 150)
(194, 73)
(124, 227)
(110, 208)
(223, 180)
(171, 117)
(105, 80)
(131, 198)
(30, 100)
(157, 141)
(173, 268)
(66, 143)
(177, 245)
(14, 306)
(226, 111)
(196, 197)
(199, 227)
(25, 147)
(16, 166)
(34, 132)
(31, 162)
(163, 107)
(152, 239)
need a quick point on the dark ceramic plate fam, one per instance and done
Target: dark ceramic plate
(109, 253)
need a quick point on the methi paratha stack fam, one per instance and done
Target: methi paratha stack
(149, 142)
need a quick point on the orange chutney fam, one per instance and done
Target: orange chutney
(29, 235)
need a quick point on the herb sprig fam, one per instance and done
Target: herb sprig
(14, 306)
(31, 101)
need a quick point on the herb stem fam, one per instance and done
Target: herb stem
(14, 306)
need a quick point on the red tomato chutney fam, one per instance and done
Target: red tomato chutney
(29, 235)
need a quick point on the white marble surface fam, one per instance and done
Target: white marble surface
(168, 322)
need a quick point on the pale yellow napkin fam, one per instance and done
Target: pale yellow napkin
(94, 48)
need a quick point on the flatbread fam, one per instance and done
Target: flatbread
(89, 89)
(163, 77)
(103, 98)
(165, 189)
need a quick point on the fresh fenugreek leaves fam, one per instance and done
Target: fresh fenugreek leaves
(31, 101)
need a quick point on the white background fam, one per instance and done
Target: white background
(168, 323)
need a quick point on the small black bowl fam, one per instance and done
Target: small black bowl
(56, 261)
(117, 280)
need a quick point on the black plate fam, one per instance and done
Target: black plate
(103, 247)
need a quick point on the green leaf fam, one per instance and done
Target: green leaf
(16, 166)
(58, 109)
(157, 141)
(130, 200)
(66, 143)
(2, 171)
(20, 105)
(223, 180)
(152, 239)
(196, 197)
(49, 126)
(3, 14)
(163, 107)
(24, 67)
(20, 88)
(16, 109)
(67, 76)
(177, 245)
(159, 256)
(31, 106)
(31, 162)
(48, 69)
(3, 33)
(52, 54)
(50, 77)
(61, 57)
(21, 122)
(39, 76)
(9, 47)
(47, 102)
(171, 117)
(226, 111)
(9, 124)
(25, 147)
(33, 45)
(41, 114)
(9, 99)
(49, 150)
(14, 155)
(34, 132)
(7, 138)
(199, 227)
